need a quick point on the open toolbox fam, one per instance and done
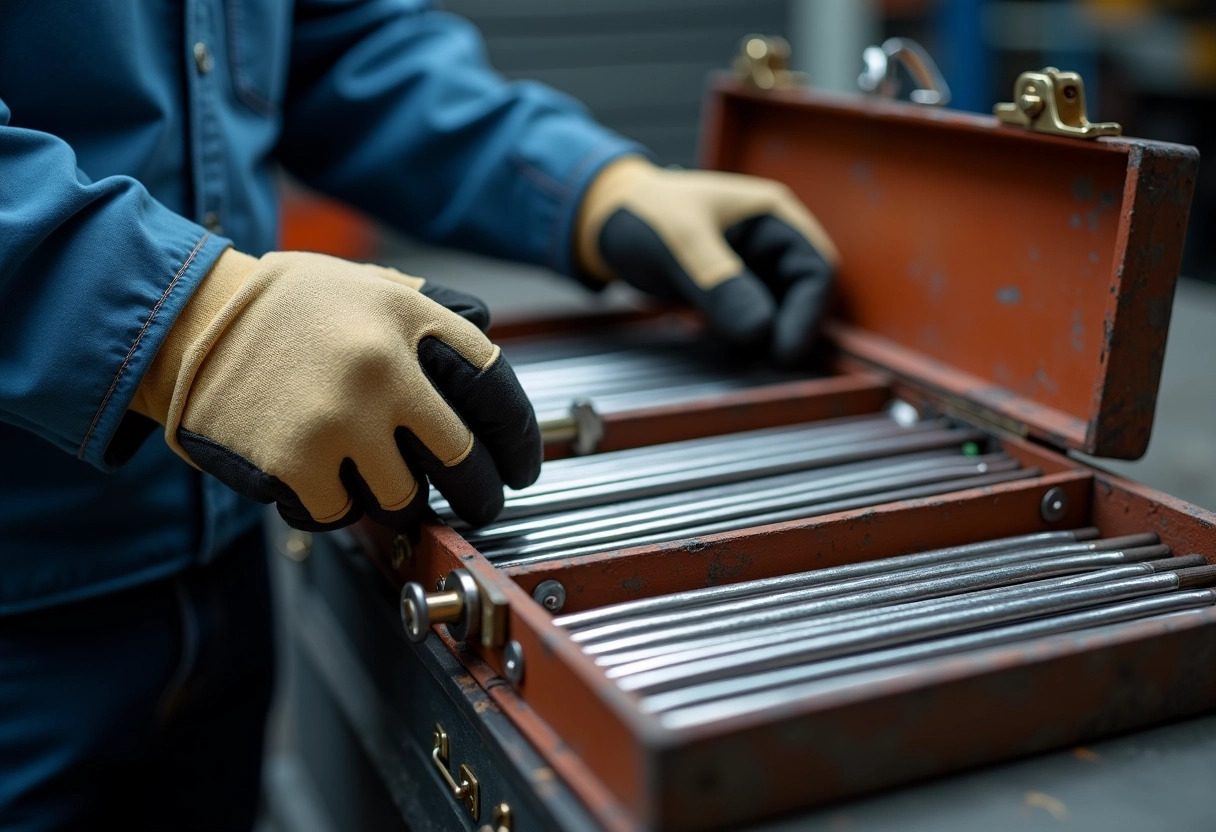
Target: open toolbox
(1006, 284)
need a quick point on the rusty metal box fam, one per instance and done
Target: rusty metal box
(1018, 281)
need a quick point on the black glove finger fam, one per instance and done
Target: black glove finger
(407, 519)
(741, 309)
(471, 308)
(796, 331)
(493, 405)
(247, 479)
(472, 486)
(798, 276)
(778, 253)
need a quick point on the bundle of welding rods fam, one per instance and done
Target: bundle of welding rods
(630, 369)
(708, 654)
(673, 491)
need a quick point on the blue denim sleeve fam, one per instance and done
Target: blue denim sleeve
(392, 107)
(91, 276)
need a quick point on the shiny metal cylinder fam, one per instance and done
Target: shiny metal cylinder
(725, 698)
(881, 635)
(1026, 542)
(910, 591)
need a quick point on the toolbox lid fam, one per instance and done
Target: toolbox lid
(1023, 278)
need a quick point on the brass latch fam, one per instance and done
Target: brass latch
(467, 790)
(502, 819)
(1053, 102)
(764, 63)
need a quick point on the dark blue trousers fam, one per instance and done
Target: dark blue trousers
(140, 710)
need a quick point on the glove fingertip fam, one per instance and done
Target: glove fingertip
(467, 306)
(796, 328)
(741, 309)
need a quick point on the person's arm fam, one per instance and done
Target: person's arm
(392, 107)
(333, 389)
(92, 274)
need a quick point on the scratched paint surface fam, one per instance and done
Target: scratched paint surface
(1038, 266)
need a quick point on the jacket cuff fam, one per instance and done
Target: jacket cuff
(188, 252)
(569, 153)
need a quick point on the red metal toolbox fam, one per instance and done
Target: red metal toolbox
(1017, 281)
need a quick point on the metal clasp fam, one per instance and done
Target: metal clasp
(880, 76)
(1051, 101)
(467, 790)
(764, 62)
(502, 819)
(582, 428)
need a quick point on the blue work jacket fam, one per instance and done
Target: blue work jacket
(138, 139)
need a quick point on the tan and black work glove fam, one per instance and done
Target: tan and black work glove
(333, 389)
(741, 249)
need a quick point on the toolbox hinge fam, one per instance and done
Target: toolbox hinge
(980, 417)
(764, 63)
(1051, 101)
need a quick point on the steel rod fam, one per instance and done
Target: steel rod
(910, 591)
(943, 487)
(718, 700)
(887, 635)
(831, 573)
(801, 594)
(697, 497)
(518, 505)
(622, 466)
(823, 623)
(631, 522)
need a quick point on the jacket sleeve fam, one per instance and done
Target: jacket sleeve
(392, 107)
(91, 276)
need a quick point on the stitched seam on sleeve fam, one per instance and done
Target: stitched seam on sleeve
(135, 344)
(558, 245)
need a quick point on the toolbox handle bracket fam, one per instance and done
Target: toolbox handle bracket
(467, 791)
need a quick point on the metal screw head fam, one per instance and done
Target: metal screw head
(1030, 101)
(1053, 505)
(513, 661)
(414, 615)
(551, 595)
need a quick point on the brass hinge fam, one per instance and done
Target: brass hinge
(1051, 101)
(764, 63)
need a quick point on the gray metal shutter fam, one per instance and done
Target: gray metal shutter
(640, 65)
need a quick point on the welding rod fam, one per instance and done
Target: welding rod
(721, 699)
(699, 647)
(522, 503)
(751, 448)
(931, 626)
(943, 487)
(750, 489)
(1130, 549)
(758, 637)
(817, 576)
(811, 492)
(911, 591)
(1121, 551)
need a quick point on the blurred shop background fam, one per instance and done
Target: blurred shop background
(640, 65)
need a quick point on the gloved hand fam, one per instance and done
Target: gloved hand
(333, 389)
(741, 249)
